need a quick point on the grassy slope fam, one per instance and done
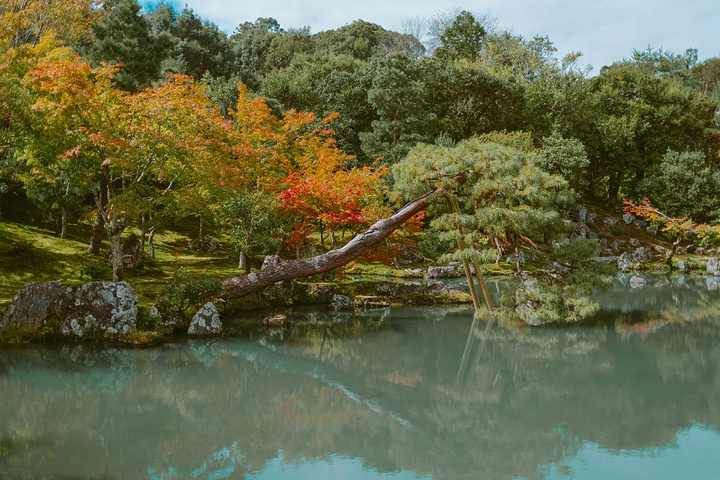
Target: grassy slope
(32, 254)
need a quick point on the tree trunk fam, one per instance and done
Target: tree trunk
(143, 233)
(151, 238)
(63, 222)
(63, 213)
(243, 263)
(116, 255)
(200, 233)
(613, 188)
(379, 231)
(98, 226)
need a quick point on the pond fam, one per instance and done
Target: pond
(401, 393)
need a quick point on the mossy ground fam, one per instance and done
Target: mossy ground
(32, 254)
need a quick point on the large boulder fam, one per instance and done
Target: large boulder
(610, 221)
(206, 322)
(320, 293)
(97, 310)
(131, 252)
(409, 254)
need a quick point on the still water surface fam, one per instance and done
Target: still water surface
(396, 394)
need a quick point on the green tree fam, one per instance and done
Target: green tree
(635, 116)
(469, 99)
(200, 47)
(324, 84)
(462, 40)
(566, 157)
(398, 96)
(507, 200)
(685, 184)
(123, 36)
(262, 47)
(363, 40)
(249, 219)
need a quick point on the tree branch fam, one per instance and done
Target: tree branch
(246, 284)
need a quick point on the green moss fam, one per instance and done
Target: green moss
(442, 299)
(617, 230)
(142, 339)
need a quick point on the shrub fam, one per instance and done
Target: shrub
(188, 289)
(94, 267)
(617, 230)
(432, 245)
(591, 225)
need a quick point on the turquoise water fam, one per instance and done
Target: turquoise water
(394, 394)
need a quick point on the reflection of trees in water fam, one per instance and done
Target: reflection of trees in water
(532, 398)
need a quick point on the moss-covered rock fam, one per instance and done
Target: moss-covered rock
(93, 311)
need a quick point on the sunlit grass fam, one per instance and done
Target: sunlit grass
(32, 254)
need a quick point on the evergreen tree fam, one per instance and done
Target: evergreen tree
(200, 47)
(506, 201)
(123, 36)
(463, 39)
(398, 96)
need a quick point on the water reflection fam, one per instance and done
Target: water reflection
(386, 394)
(690, 455)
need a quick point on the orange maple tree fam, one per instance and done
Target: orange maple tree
(681, 227)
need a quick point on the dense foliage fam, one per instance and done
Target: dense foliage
(138, 118)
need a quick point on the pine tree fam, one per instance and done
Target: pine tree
(399, 101)
(123, 36)
(507, 204)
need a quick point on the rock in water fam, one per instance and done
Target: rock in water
(97, 310)
(206, 322)
(712, 266)
(441, 272)
(625, 262)
(341, 302)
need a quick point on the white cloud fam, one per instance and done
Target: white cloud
(604, 30)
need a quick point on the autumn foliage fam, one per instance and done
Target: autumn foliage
(169, 141)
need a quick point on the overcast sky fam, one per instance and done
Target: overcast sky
(603, 30)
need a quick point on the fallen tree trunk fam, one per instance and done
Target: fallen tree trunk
(246, 284)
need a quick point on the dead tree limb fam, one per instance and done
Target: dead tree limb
(246, 284)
